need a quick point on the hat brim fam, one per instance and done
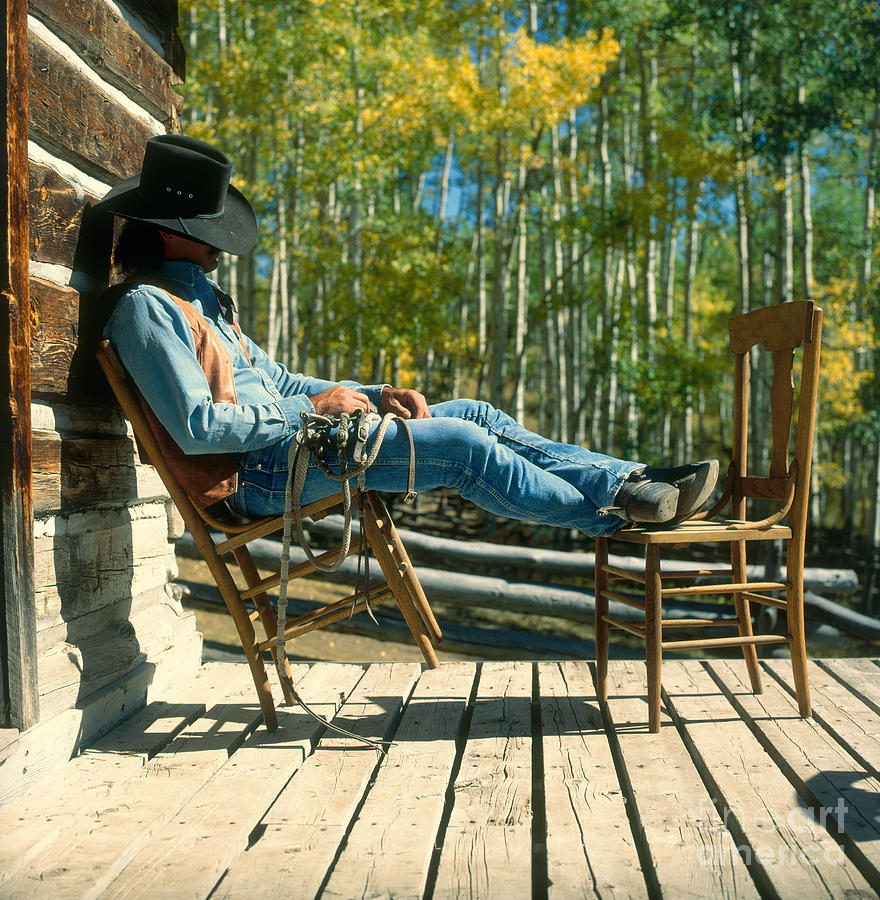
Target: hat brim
(234, 230)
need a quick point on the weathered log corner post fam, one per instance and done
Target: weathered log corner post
(18, 675)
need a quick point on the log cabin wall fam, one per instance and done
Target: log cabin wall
(109, 629)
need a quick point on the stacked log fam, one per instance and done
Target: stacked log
(110, 628)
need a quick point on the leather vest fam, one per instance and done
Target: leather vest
(210, 477)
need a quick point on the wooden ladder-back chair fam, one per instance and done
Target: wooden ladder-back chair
(401, 582)
(780, 330)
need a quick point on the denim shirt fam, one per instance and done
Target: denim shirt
(155, 343)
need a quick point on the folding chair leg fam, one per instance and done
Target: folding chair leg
(248, 638)
(602, 627)
(744, 615)
(404, 565)
(243, 624)
(267, 614)
(653, 634)
(398, 587)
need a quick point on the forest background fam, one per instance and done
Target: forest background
(556, 206)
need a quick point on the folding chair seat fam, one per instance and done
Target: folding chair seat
(780, 330)
(401, 582)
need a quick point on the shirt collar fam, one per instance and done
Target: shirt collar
(192, 280)
(180, 270)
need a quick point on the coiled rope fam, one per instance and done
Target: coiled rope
(312, 441)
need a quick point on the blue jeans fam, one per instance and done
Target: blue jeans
(473, 447)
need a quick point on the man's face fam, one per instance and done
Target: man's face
(175, 246)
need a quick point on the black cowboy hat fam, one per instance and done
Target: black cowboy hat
(183, 187)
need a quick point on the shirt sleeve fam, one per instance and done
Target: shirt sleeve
(154, 341)
(290, 385)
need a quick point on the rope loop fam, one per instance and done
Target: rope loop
(314, 441)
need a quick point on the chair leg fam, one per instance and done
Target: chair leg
(404, 565)
(602, 627)
(795, 614)
(653, 634)
(398, 585)
(267, 614)
(744, 615)
(246, 635)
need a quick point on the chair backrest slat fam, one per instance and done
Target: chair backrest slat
(781, 409)
(779, 330)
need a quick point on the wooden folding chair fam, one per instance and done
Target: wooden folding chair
(401, 582)
(780, 330)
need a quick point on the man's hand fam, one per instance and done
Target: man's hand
(406, 403)
(340, 399)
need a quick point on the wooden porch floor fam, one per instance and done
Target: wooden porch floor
(504, 780)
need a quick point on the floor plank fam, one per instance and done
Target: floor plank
(841, 711)
(214, 826)
(686, 850)
(845, 795)
(861, 676)
(590, 847)
(789, 853)
(304, 828)
(487, 846)
(389, 849)
(107, 827)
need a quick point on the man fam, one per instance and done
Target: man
(227, 413)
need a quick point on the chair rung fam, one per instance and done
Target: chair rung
(258, 531)
(723, 588)
(767, 601)
(724, 642)
(631, 627)
(634, 602)
(297, 571)
(697, 623)
(624, 573)
(327, 615)
(698, 573)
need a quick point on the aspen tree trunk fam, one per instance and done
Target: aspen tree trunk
(284, 341)
(579, 376)
(324, 316)
(293, 268)
(784, 234)
(671, 252)
(463, 315)
(806, 213)
(499, 296)
(632, 422)
(603, 418)
(522, 287)
(563, 392)
(739, 82)
(648, 140)
(192, 40)
(355, 233)
(868, 207)
(482, 293)
(690, 275)
(273, 324)
(549, 422)
(438, 253)
(692, 246)
(614, 357)
(247, 266)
